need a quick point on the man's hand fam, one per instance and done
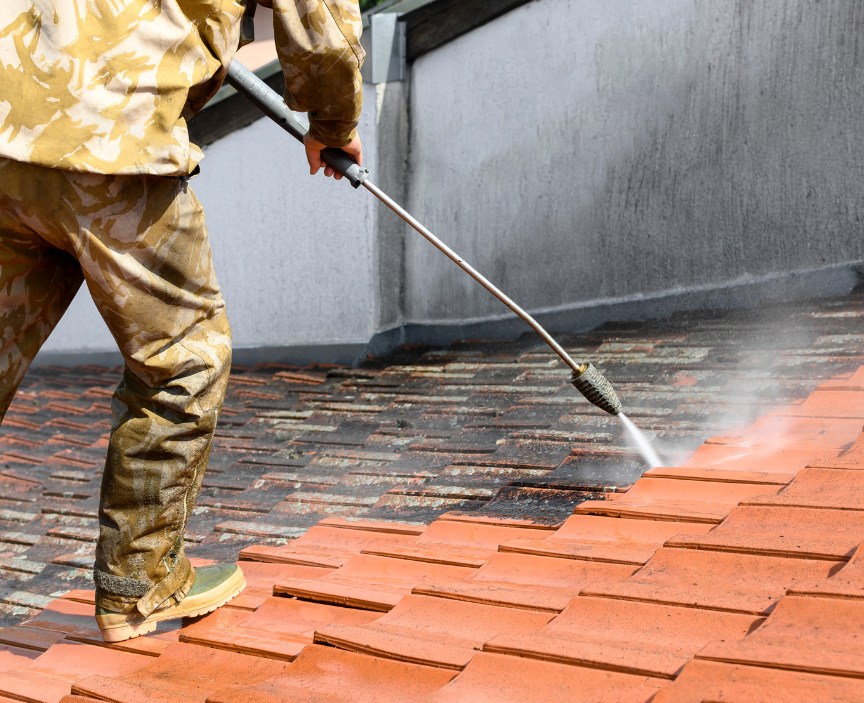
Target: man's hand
(313, 155)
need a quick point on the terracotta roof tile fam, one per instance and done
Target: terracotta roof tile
(496, 678)
(600, 538)
(813, 533)
(49, 676)
(279, 629)
(795, 637)
(325, 675)
(632, 637)
(184, 672)
(744, 583)
(368, 581)
(711, 681)
(432, 631)
(676, 499)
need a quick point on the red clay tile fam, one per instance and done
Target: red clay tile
(279, 629)
(849, 382)
(804, 633)
(496, 678)
(76, 699)
(633, 637)
(851, 458)
(675, 499)
(784, 463)
(840, 489)
(369, 582)
(720, 473)
(76, 621)
(459, 543)
(331, 543)
(184, 672)
(599, 538)
(744, 583)
(16, 657)
(812, 533)
(49, 677)
(527, 581)
(778, 432)
(260, 576)
(828, 404)
(29, 637)
(848, 582)
(495, 520)
(328, 675)
(432, 631)
(702, 681)
(66, 616)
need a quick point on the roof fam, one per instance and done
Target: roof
(463, 528)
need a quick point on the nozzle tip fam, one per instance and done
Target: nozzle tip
(597, 390)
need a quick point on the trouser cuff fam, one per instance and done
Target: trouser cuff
(124, 594)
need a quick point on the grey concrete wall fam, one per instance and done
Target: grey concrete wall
(583, 154)
(598, 160)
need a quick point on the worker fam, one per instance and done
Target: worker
(95, 161)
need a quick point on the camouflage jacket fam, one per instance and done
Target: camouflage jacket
(106, 86)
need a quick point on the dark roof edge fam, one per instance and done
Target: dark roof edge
(434, 24)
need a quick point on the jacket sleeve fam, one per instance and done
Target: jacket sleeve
(318, 42)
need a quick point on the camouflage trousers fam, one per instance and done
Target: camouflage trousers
(140, 245)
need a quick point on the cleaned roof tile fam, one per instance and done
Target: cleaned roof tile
(497, 678)
(744, 583)
(633, 637)
(432, 631)
(326, 675)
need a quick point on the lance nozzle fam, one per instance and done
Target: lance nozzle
(596, 389)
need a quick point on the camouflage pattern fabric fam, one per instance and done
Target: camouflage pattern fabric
(140, 244)
(107, 86)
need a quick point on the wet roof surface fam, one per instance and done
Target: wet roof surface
(456, 525)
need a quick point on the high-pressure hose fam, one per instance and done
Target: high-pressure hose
(585, 377)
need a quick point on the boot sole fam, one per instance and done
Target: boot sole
(118, 627)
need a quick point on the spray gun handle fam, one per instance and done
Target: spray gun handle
(345, 165)
(271, 104)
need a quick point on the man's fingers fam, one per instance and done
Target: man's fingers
(314, 158)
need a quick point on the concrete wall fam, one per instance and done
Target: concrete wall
(596, 159)
(605, 151)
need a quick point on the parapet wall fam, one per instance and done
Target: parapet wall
(596, 159)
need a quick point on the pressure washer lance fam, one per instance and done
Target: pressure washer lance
(587, 379)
